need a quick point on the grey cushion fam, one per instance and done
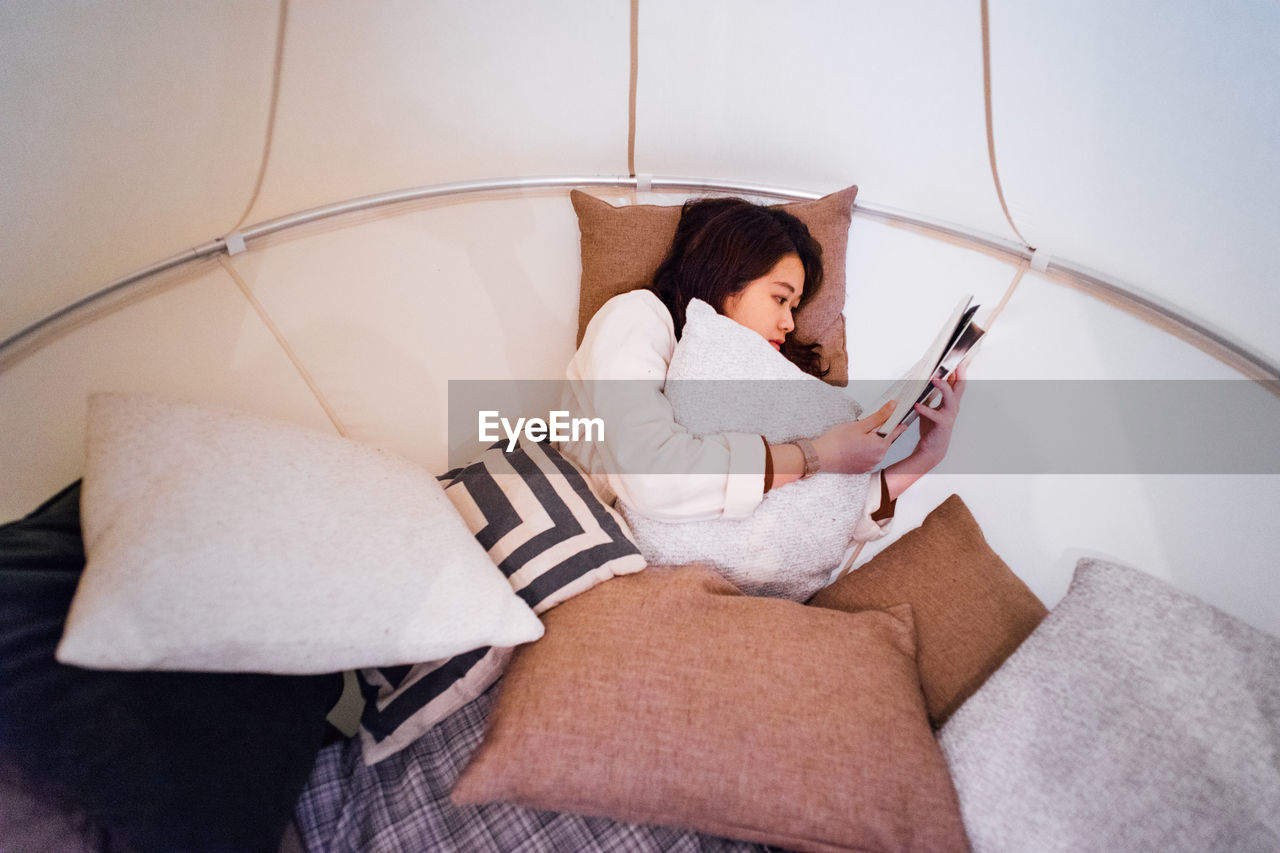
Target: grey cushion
(725, 377)
(1135, 717)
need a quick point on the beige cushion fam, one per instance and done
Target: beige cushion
(669, 697)
(623, 246)
(971, 610)
(225, 542)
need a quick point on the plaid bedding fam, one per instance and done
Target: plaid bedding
(401, 805)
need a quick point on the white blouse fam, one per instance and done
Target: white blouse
(649, 461)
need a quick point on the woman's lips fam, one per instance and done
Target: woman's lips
(777, 345)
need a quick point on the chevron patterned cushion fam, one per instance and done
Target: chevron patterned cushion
(534, 513)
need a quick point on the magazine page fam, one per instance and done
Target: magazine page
(914, 385)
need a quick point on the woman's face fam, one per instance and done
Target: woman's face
(766, 303)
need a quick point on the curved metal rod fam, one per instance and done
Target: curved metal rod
(1238, 356)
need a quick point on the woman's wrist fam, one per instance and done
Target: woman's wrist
(786, 462)
(828, 453)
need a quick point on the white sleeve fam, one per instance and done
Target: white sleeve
(652, 463)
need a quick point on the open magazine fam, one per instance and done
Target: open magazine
(955, 343)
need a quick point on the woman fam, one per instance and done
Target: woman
(756, 265)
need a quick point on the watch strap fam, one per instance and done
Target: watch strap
(811, 465)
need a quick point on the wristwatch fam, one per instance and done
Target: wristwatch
(811, 465)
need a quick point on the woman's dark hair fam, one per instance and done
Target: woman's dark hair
(720, 245)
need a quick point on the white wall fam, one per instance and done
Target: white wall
(380, 96)
(130, 132)
(1140, 138)
(1134, 138)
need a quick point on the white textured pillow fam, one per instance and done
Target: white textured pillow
(798, 534)
(1135, 717)
(220, 541)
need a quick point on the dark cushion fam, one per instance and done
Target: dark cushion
(156, 760)
(31, 821)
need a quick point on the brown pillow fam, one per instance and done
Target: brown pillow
(970, 610)
(668, 697)
(622, 247)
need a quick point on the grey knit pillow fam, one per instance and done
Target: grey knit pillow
(724, 377)
(1135, 717)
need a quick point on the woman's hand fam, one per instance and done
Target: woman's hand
(854, 447)
(936, 424)
(935, 436)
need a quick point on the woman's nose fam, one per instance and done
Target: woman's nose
(788, 322)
